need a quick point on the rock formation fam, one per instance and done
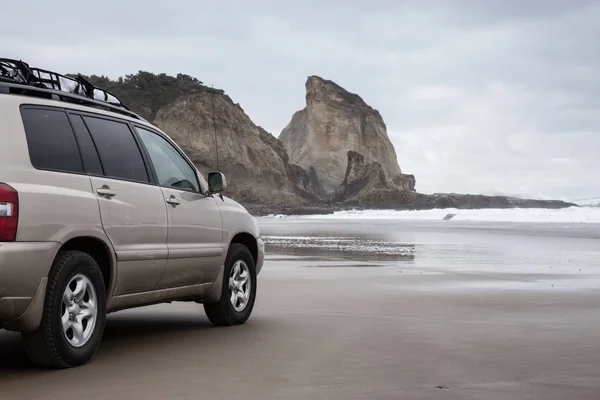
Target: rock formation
(367, 185)
(340, 144)
(473, 201)
(254, 161)
(343, 145)
(334, 122)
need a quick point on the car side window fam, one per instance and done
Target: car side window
(89, 154)
(119, 153)
(51, 142)
(172, 170)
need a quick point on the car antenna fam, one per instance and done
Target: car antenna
(215, 125)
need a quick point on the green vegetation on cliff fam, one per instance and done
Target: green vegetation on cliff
(145, 93)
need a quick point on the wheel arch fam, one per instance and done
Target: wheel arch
(251, 243)
(248, 240)
(101, 251)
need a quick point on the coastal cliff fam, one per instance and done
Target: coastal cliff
(334, 154)
(254, 161)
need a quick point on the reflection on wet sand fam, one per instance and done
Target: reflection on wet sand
(358, 248)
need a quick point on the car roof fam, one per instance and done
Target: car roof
(27, 99)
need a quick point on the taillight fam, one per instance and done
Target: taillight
(9, 213)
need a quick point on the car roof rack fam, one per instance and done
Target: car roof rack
(19, 78)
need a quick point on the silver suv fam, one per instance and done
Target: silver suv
(100, 211)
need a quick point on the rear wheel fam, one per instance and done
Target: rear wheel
(74, 313)
(239, 289)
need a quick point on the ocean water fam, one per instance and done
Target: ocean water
(579, 215)
(514, 248)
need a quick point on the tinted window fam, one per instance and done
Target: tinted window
(51, 142)
(172, 170)
(118, 150)
(91, 160)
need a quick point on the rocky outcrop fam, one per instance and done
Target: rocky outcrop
(334, 122)
(472, 201)
(342, 144)
(254, 161)
(367, 184)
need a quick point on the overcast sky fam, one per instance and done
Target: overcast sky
(478, 96)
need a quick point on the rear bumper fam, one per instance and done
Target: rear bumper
(261, 254)
(24, 268)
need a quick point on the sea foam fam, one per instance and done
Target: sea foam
(590, 215)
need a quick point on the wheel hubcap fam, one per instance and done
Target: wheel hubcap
(239, 286)
(79, 310)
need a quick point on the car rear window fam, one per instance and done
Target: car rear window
(119, 153)
(51, 141)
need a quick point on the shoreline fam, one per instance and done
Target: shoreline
(409, 201)
(263, 210)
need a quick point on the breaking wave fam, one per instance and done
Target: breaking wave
(589, 215)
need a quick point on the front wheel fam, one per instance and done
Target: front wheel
(239, 289)
(74, 313)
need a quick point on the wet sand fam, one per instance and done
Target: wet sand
(366, 310)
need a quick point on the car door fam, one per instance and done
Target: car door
(195, 234)
(132, 209)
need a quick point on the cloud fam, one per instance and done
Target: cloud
(478, 95)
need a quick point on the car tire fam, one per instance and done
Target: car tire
(239, 289)
(74, 313)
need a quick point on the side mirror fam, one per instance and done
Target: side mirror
(216, 182)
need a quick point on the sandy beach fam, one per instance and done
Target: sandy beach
(366, 309)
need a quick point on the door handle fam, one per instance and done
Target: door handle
(173, 201)
(106, 191)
